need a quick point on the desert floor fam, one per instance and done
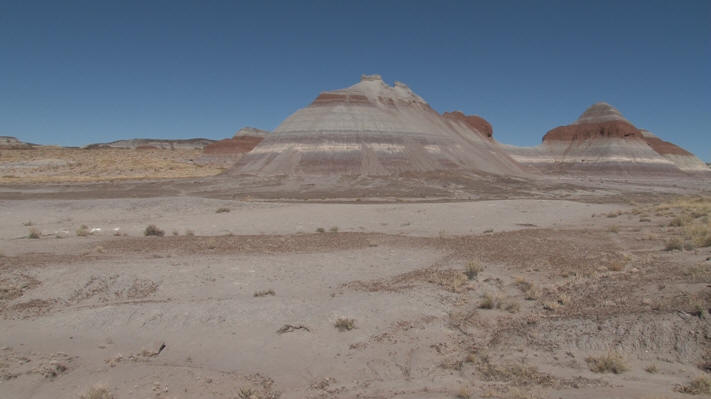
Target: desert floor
(573, 288)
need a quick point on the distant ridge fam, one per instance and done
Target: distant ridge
(182, 144)
(12, 143)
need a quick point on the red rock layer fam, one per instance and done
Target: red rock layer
(664, 147)
(584, 131)
(474, 121)
(235, 145)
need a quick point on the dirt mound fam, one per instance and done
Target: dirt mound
(602, 141)
(373, 129)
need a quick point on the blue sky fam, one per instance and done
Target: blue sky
(73, 73)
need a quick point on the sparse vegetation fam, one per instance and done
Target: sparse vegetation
(27, 223)
(333, 229)
(528, 288)
(153, 230)
(83, 231)
(614, 229)
(698, 386)
(473, 269)
(511, 307)
(189, 233)
(675, 244)
(320, 230)
(678, 222)
(489, 301)
(609, 363)
(651, 369)
(344, 324)
(97, 392)
(33, 233)
(464, 393)
(247, 393)
(697, 309)
(222, 210)
(264, 293)
(514, 374)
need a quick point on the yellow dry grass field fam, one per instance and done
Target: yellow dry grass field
(57, 164)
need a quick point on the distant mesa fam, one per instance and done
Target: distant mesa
(160, 144)
(602, 141)
(12, 143)
(375, 129)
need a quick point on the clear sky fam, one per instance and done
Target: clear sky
(73, 73)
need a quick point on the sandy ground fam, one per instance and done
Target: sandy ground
(244, 303)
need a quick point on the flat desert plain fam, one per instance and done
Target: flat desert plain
(484, 288)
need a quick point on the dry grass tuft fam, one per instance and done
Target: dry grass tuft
(333, 229)
(651, 369)
(222, 210)
(153, 230)
(97, 392)
(264, 293)
(320, 230)
(489, 301)
(34, 233)
(530, 291)
(697, 386)
(609, 363)
(343, 324)
(675, 244)
(451, 280)
(614, 229)
(247, 393)
(699, 234)
(513, 374)
(473, 269)
(464, 393)
(83, 231)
